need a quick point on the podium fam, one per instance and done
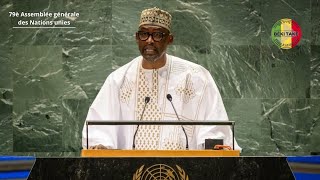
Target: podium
(146, 165)
(162, 164)
(159, 153)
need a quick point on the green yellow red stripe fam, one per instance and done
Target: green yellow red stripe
(286, 33)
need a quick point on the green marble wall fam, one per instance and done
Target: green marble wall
(49, 77)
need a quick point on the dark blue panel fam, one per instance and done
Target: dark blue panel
(16, 158)
(306, 176)
(305, 159)
(14, 174)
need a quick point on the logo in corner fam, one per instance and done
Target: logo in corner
(286, 33)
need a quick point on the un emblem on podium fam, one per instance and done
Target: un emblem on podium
(160, 172)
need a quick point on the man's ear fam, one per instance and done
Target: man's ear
(137, 38)
(170, 39)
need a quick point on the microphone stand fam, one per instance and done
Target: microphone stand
(146, 101)
(169, 97)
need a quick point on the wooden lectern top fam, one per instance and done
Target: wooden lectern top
(158, 153)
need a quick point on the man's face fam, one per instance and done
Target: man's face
(153, 47)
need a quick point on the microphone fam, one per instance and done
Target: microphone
(169, 97)
(146, 101)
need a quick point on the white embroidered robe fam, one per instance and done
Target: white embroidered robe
(195, 97)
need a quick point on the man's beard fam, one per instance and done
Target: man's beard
(151, 57)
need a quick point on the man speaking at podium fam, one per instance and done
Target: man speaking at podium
(144, 88)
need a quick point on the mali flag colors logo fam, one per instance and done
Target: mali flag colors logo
(286, 33)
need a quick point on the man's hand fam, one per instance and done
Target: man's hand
(99, 146)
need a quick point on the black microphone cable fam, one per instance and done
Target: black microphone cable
(146, 101)
(169, 97)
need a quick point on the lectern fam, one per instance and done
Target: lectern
(119, 123)
(160, 164)
(159, 153)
